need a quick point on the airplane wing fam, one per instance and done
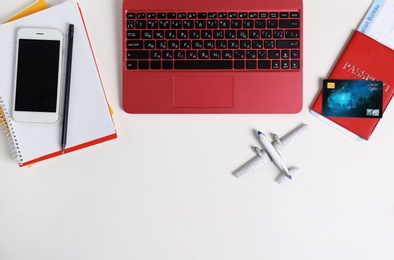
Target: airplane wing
(255, 162)
(287, 140)
(280, 145)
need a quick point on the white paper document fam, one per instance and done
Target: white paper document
(379, 23)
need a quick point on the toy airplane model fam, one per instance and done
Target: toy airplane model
(273, 151)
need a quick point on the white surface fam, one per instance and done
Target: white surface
(164, 189)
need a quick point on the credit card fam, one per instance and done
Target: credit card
(352, 98)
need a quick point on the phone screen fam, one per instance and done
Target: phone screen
(37, 75)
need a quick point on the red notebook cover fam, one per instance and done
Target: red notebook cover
(366, 59)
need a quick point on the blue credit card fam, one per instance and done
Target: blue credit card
(352, 98)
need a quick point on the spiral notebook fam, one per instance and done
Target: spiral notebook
(90, 121)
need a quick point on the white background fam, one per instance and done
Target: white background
(164, 189)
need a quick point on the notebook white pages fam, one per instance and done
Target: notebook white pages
(89, 122)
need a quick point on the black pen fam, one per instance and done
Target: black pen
(67, 89)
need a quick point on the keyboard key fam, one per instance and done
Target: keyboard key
(227, 54)
(149, 44)
(239, 64)
(203, 64)
(266, 34)
(209, 44)
(194, 34)
(202, 15)
(230, 34)
(206, 34)
(179, 55)
(289, 24)
(153, 24)
(138, 54)
(181, 15)
(151, 15)
(235, 24)
(285, 54)
(159, 34)
(262, 54)
(171, 15)
(279, 34)
(251, 64)
(257, 44)
(214, 54)
(147, 34)
(212, 15)
(285, 64)
(203, 54)
(191, 55)
(243, 34)
(212, 24)
(201, 24)
(295, 64)
(269, 44)
(188, 24)
(141, 15)
(162, 15)
(130, 15)
(239, 54)
(155, 65)
(253, 15)
(260, 24)
(176, 24)
(233, 44)
(222, 15)
(272, 24)
(287, 44)
(284, 15)
(168, 54)
(144, 65)
(245, 44)
(248, 24)
(197, 44)
(251, 54)
(140, 24)
(167, 65)
(292, 34)
(130, 24)
(164, 24)
(275, 54)
(264, 64)
(131, 65)
(155, 55)
(243, 15)
(135, 45)
(133, 34)
(224, 24)
(263, 15)
(295, 54)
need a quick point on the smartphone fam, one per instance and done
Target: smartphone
(38, 75)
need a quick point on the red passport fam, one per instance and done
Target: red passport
(363, 58)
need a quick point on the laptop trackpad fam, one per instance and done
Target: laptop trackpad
(203, 91)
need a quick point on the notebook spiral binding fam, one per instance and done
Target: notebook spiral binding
(6, 123)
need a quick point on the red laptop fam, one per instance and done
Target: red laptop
(204, 56)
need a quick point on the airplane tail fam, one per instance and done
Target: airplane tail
(292, 172)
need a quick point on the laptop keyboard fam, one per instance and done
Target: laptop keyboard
(252, 41)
